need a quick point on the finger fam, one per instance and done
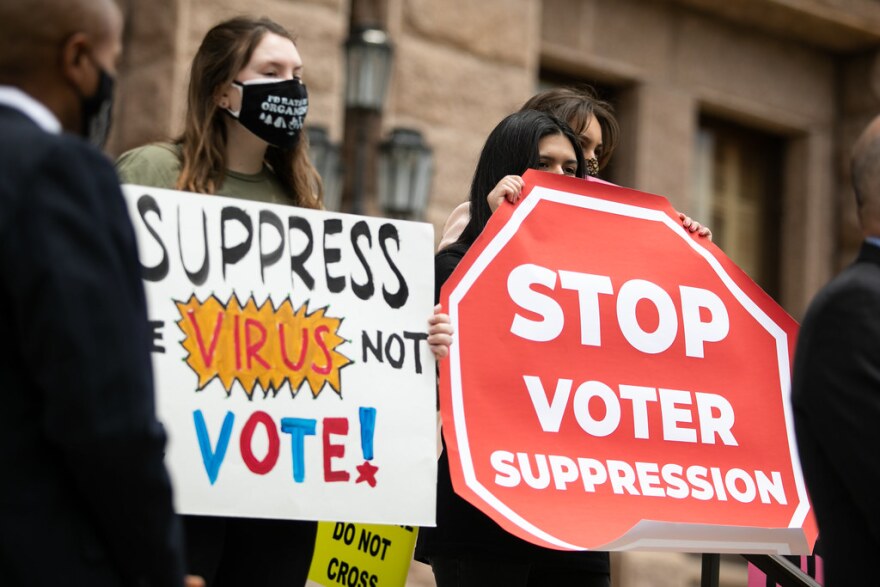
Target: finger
(516, 194)
(442, 328)
(436, 319)
(440, 351)
(440, 338)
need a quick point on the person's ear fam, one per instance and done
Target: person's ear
(76, 65)
(222, 96)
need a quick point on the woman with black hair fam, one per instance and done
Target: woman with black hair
(593, 121)
(467, 548)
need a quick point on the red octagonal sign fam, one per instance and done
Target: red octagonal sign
(618, 383)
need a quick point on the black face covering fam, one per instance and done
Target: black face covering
(273, 110)
(97, 110)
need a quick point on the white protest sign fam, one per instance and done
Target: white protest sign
(290, 358)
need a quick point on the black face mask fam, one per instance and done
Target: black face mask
(273, 110)
(97, 110)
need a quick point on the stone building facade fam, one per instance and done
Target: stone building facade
(741, 112)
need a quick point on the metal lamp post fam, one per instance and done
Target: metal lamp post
(325, 157)
(368, 69)
(406, 165)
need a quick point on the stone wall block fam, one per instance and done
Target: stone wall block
(456, 152)
(445, 87)
(495, 29)
(142, 110)
(664, 142)
(752, 67)
(628, 31)
(567, 23)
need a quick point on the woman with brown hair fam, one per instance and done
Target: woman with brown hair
(227, 148)
(580, 107)
(230, 146)
(243, 138)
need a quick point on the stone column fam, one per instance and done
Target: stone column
(145, 87)
(808, 213)
(659, 123)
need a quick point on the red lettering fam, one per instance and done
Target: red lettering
(302, 352)
(207, 355)
(252, 350)
(320, 331)
(237, 341)
(334, 426)
(267, 463)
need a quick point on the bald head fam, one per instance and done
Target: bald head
(34, 30)
(866, 177)
(59, 51)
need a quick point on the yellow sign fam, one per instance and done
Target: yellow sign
(262, 345)
(362, 555)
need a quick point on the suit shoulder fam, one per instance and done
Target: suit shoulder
(23, 145)
(36, 158)
(846, 301)
(858, 284)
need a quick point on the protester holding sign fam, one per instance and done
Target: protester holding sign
(467, 547)
(836, 392)
(85, 497)
(243, 138)
(593, 121)
(228, 148)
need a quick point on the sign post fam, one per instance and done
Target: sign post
(618, 383)
(367, 555)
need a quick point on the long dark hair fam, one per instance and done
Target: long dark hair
(511, 149)
(225, 51)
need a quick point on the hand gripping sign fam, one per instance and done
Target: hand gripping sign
(618, 383)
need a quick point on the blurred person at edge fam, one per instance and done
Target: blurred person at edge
(84, 498)
(597, 130)
(836, 393)
(226, 149)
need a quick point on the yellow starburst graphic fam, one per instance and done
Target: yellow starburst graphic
(261, 345)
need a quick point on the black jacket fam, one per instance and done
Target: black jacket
(836, 400)
(84, 495)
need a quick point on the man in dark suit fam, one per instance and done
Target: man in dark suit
(836, 394)
(84, 495)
